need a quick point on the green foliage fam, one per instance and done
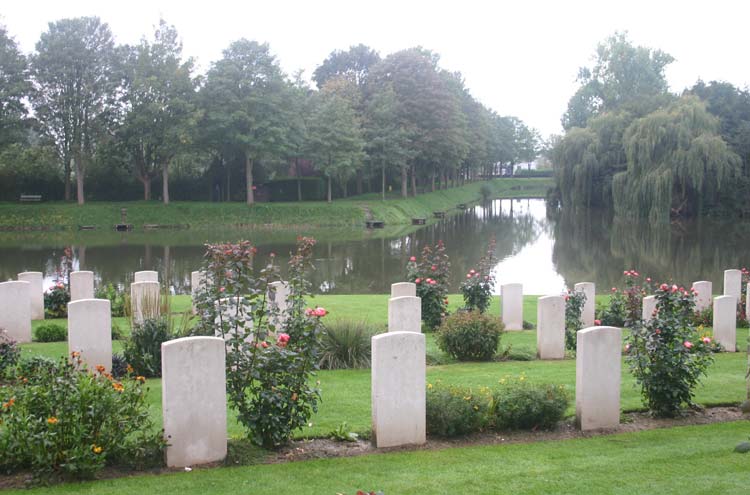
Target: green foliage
(455, 411)
(431, 276)
(342, 433)
(142, 349)
(668, 356)
(470, 336)
(269, 371)
(65, 422)
(50, 332)
(478, 286)
(119, 365)
(346, 345)
(117, 299)
(520, 405)
(574, 301)
(10, 352)
(56, 301)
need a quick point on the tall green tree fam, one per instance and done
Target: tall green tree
(160, 98)
(75, 98)
(15, 86)
(244, 101)
(335, 141)
(353, 64)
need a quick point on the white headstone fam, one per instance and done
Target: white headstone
(725, 322)
(194, 401)
(398, 389)
(146, 276)
(197, 281)
(550, 327)
(703, 295)
(144, 300)
(36, 281)
(15, 310)
(404, 289)
(405, 314)
(589, 307)
(747, 303)
(649, 306)
(278, 301)
(733, 283)
(90, 332)
(512, 312)
(598, 361)
(81, 285)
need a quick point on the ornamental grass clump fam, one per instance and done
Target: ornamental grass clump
(271, 356)
(470, 336)
(346, 345)
(668, 355)
(63, 421)
(431, 275)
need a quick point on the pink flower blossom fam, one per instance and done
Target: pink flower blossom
(614, 289)
(221, 289)
(648, 279)
(657, 331)
(413, 258)
(663, 287)
(264, 344)
(597, 322)
(433, 268)
(320, 312)
(627, 347)
(433, 282)
(282, 340)
(687, 344)
(674, 289)
(418, 281)
(706, 340)
(626, 273)
(471, 271)
(468, 275)
(308, 311)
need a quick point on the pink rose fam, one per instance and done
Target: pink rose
(417, 280)
(308, 311)
(282, 340)
(221, 289)
(674, 289)
(597, 322)
(433, 268)
(320, 312)
(706, 340)
(264, 344)
(648, 279)
(413, 258)
(626, 273)
(468, 275)
(687, 344)
(433, 282)
(663, 287)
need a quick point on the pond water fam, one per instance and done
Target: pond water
(546, 251)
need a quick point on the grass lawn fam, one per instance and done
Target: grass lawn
(346, 393)
(684, 460)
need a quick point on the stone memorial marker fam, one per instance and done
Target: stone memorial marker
(733, 284)
(36, 287)
(512, 306)
(404, 289)
(194, 401)
(81, 285)
(550, 331)
(197, 281)
(398, 389)
(90, 332)
(278, 301)
(725, 322)
(649, 306)
(144, 300)
(146, 276)
(703, 295)
(589, 307)
(405, 314)
(598, 361)
(15, 310)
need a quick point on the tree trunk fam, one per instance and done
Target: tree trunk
(382, 181)
(249, 180)
(414, 182)
(146, 188)
(404, 186)
(228, 190)
(80, 170)
(67, 178)
(359, 182)
(165, 182)
(344, 187)
(329, 190)
(298, 172)
(432, 178)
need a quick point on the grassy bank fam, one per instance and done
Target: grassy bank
(340, 213)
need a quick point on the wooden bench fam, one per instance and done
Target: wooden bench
(30, 198)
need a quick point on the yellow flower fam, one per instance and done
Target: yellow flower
(52, 420)
(429, 386)
(96, 449)
(140, 378)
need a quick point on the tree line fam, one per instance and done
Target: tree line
(633, 146)
(81, 109)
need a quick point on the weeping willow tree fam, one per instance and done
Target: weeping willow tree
(587, 159)
(676, 162)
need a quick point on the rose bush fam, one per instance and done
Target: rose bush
(431, 274)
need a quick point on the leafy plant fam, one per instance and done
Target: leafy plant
(56, 301)
(454, 411)
(520, 405)
(470, 336)
(120, 366)
(574, 302)
(50, 332)
(269, 369)
(10, 352)
(346, 345)
(477, 288)
(486, 192)
(142, 349)
(667, 355)
(431, 275)
(117, 299)
(66, 422)
(342, 433)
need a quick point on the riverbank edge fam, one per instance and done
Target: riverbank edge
(351, 212)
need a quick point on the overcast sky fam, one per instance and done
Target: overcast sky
(519, 58)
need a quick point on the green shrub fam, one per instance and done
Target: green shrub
(50, 332)
(454, 411)
(346, 344)
(486, 192)
(470, 336)
(519, 405)
(116, 331)
(118, 301)
(10, 352)
(119, 365)
(574, 302)
(143, 349)
(65, 422)
(34, 365)
(56, 301)
(431, 274)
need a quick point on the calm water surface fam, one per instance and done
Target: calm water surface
(546, 251)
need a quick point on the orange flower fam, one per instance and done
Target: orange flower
(52, 420)
(140, 378)
(294, 396)
(75, 354)
(96, 449)
(129, 369)
(100, 368)
(118, 386)
(9, 404)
